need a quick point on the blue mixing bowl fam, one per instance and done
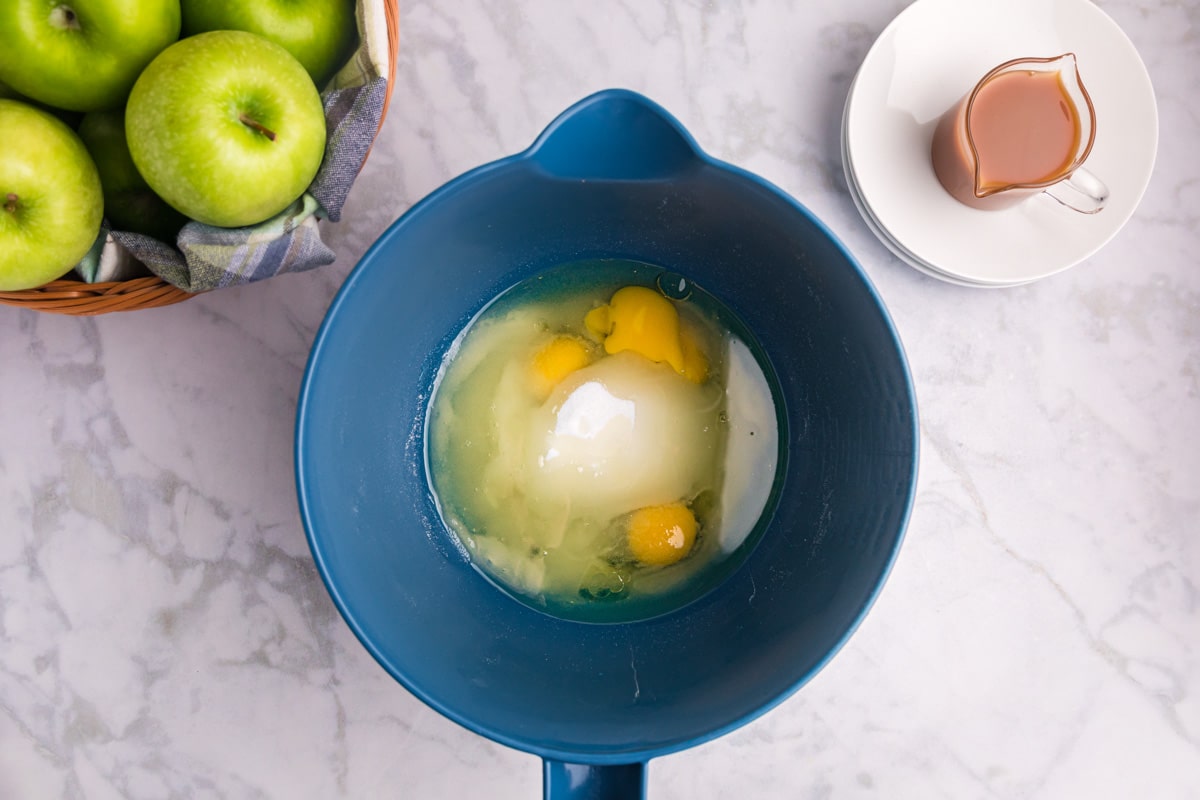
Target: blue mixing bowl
(614, 177)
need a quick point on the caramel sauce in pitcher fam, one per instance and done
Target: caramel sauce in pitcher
(1025, 129)
(1018, 129)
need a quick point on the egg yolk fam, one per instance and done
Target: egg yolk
(641, 320)
(561, 356)
(661, 535)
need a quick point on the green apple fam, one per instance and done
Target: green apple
(82, 55)
(320, 33)
(50, 199)
(227, 127)
(129, 202)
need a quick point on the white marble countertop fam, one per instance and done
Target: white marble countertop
(163, 632)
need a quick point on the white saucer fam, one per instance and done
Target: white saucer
(927, 58)
(897, 248)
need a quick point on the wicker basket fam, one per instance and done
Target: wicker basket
(88, 299)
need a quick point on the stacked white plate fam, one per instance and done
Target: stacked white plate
(922, 63)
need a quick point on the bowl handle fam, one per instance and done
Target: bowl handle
(566, 781)
(614, 135)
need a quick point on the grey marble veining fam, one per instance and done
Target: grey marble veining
(163, 632)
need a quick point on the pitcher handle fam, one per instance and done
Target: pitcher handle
(567, 781)
(1082, 192)
(614, 135)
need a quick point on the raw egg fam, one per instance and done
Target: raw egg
(640, 320)
(659, 536)
(587, 444)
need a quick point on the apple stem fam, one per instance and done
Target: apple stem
(64, 17)
(258, 126)
(11, 205)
